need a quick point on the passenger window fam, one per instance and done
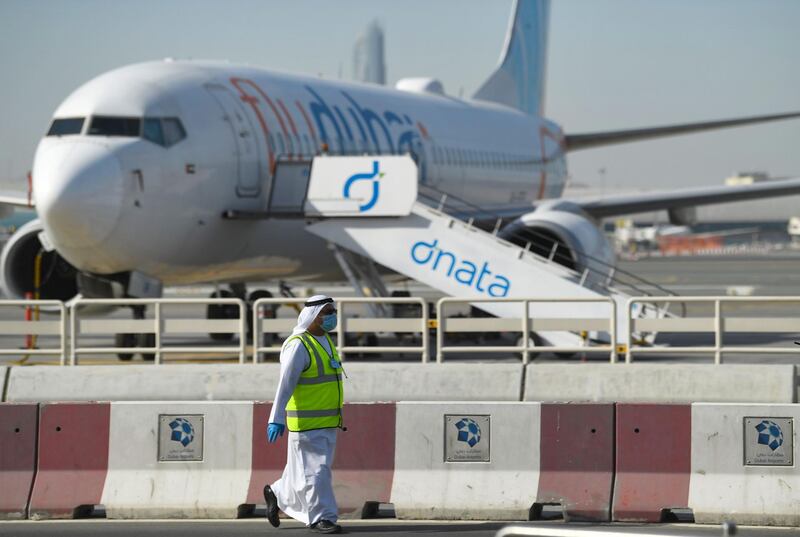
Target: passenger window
(115, 126)
(152, 131)
(173, 131)
(65, 126)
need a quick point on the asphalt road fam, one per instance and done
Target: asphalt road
(367, 528)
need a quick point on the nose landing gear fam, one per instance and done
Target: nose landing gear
(136, 340)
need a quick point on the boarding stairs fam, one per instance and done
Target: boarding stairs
(404, 230)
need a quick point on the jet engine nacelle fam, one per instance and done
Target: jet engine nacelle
(18, 264)
(562, 232)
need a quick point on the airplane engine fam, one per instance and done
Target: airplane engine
(560, 231)
(17, 266)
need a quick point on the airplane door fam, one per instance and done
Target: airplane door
(248, 164)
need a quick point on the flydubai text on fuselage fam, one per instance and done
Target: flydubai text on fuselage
(165, 147)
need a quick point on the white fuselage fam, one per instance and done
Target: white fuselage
(115, 203)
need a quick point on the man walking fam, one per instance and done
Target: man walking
(309, 403)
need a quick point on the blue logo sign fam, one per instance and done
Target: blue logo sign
(464, 271)
(770, 434)
(469, 431)
(182, 431)
(374, 176)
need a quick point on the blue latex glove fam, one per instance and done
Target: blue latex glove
(274, 430)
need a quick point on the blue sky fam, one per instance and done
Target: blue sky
(613, 64)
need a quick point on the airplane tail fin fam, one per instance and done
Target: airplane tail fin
(519, 80)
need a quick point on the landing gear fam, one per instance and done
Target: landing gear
(125, 340)
(267, 312)
(136, 340)
(222, 311)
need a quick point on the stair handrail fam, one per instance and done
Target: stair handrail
(445, 197)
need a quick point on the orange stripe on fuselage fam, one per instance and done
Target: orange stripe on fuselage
(252, 100)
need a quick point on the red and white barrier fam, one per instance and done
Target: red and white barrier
(431, 460)
(72, 459)
(528, 454)
(725, 485)
(113, 454)
(653, 461)
(18, 430)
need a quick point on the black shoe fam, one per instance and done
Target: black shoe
(326, 526)
(272, 506)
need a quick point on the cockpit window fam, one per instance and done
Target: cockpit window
(173, 131)
(66, 125)
(153, 131)
(115, 126)
(165, 132)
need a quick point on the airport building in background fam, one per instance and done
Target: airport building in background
(368, 63)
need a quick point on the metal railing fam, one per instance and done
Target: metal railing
(525, 324)
(718, 324)
(347, 325)
(157, 325)
(36, 328)
(410, 321)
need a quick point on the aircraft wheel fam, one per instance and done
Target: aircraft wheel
(267, 312)
(221, 311)
(125, 340)
(147, 340)
(533, 341)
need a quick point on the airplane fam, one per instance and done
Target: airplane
(138, 181)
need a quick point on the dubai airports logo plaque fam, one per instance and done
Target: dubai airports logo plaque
(180, 437)
(466, 438)
(768, 441)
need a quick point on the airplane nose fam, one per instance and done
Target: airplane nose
(78, 193)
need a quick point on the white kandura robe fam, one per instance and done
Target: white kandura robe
(305, 490)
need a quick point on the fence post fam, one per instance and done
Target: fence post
(72, 338)
(159, 327)
(426, 344)
(340, 341)
(717, 331)
(525, 330)
(439, 331)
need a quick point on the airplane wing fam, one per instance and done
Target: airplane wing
(575, 142)
(691, 197)
(16, 199)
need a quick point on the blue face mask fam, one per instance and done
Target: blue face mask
(329, 322)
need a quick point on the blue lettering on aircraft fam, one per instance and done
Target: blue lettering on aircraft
(374, 176)
(375, 129)
(464, 271)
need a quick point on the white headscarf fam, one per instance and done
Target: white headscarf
(309, 313)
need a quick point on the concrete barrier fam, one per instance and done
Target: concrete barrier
(195, 460)
(738, 474)
(72, 459)
(495, 478)
(367, 382)
(653, 461)
(173, 382)
(660, 383)
(363, 467)
(576, 460)
(432, 382)
(18, 432)
(150, 476)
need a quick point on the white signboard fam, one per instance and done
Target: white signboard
(768, 441)
(362, 186)
(467, 438)
(180, 437)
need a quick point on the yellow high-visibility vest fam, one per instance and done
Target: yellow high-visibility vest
(317, 400)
